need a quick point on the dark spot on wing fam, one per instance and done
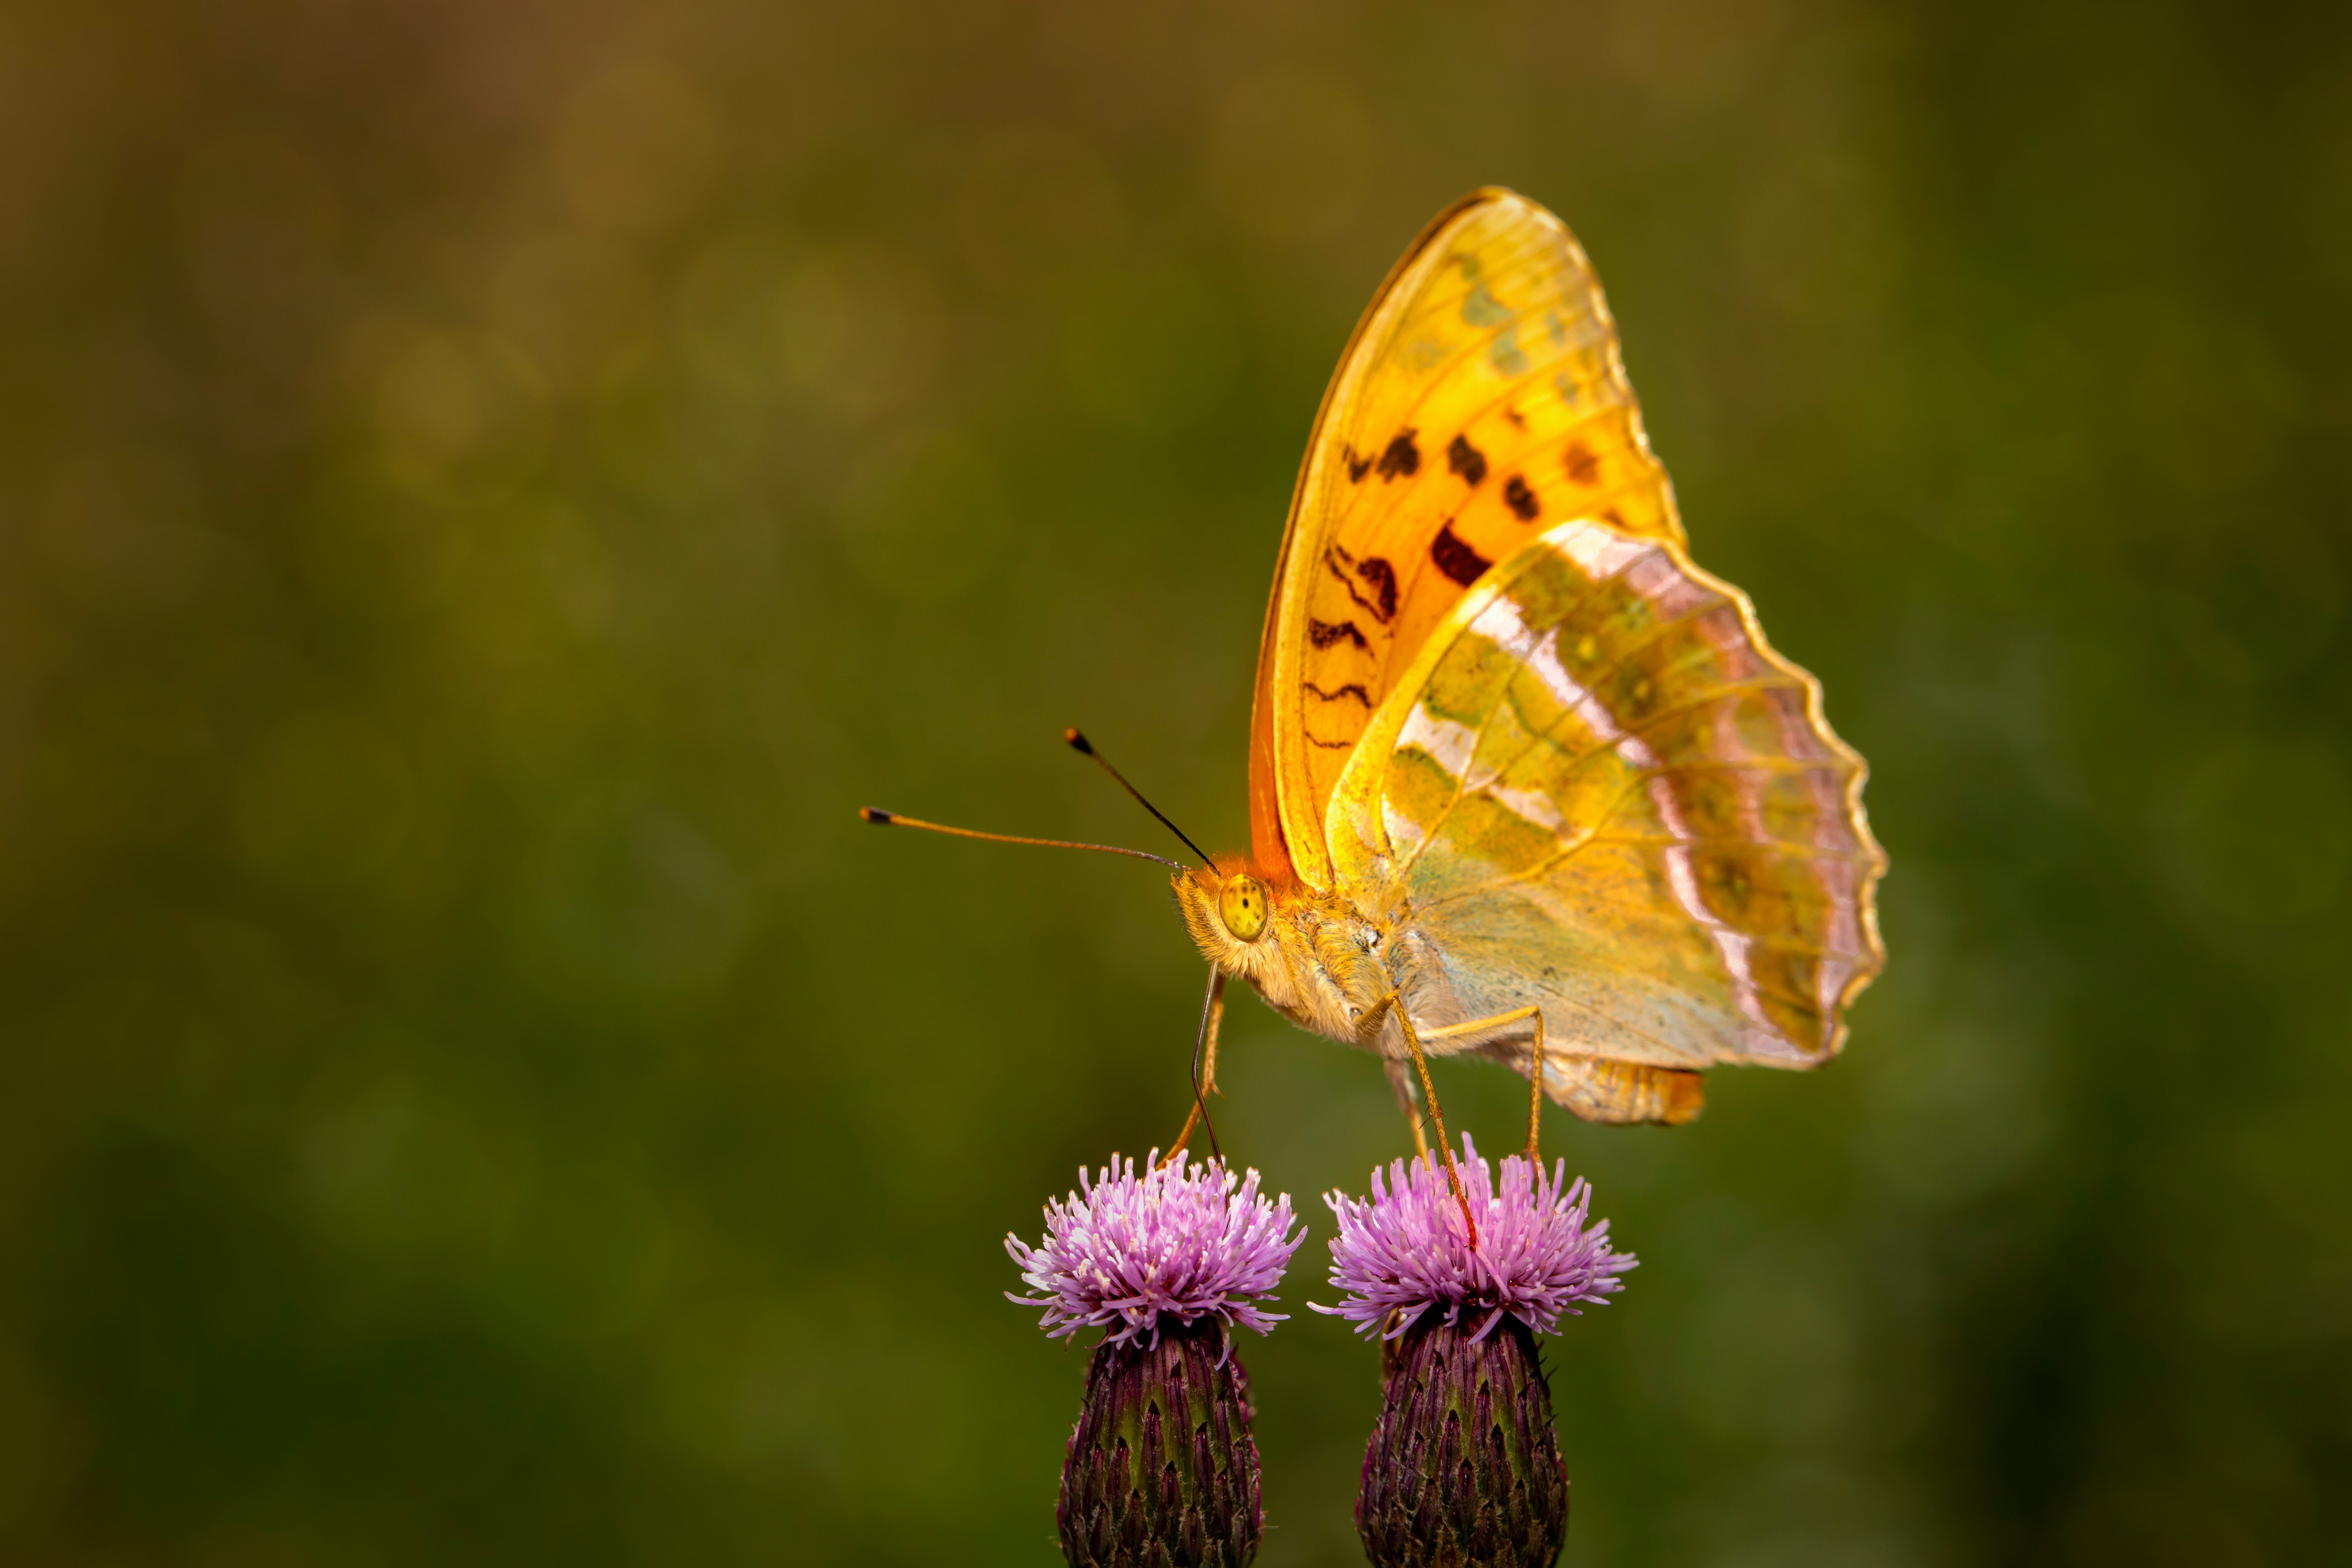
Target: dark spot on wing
(1455, 559)
(1520, 499)
(1352, 690)
(1466, 460)
(1402, 456)
(1357, 467)
(1582, 466)
(1377, 575)
(1330, 745)
(1323, 634)
(1518, 420)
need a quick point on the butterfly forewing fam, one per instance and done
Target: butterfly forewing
(1482, 401)
(1599, 789)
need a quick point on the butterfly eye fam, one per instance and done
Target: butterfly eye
(1242, 906)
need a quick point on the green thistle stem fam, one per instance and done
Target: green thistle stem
(1161, 1468)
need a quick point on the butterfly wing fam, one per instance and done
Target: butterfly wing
(1482, 399)
(1598, 789)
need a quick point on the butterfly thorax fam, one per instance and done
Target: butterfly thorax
(1320, 961)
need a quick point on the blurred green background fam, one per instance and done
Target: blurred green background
(486, 490)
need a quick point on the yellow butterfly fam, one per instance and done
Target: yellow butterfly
(1525, 782)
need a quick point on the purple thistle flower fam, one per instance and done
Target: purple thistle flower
(1406, 1250)
(1179, 1243)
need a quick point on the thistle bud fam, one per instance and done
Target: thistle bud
(1162, 1465)
(1161, 1468)
(1464, 1466)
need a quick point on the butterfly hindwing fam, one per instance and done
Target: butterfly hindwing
(1600, 790)
(1481, 401)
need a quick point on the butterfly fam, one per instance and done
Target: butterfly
(1525, 783)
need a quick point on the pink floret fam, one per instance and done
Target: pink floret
(1127, 1250)
(1407, 1249)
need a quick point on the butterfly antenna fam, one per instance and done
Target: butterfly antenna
(1084, 747)
(881, 819)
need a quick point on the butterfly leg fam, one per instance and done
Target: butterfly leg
(1392, 1002)
(1535, 1063)
(1204, 1063)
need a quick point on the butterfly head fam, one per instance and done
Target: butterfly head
(1229, 908)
